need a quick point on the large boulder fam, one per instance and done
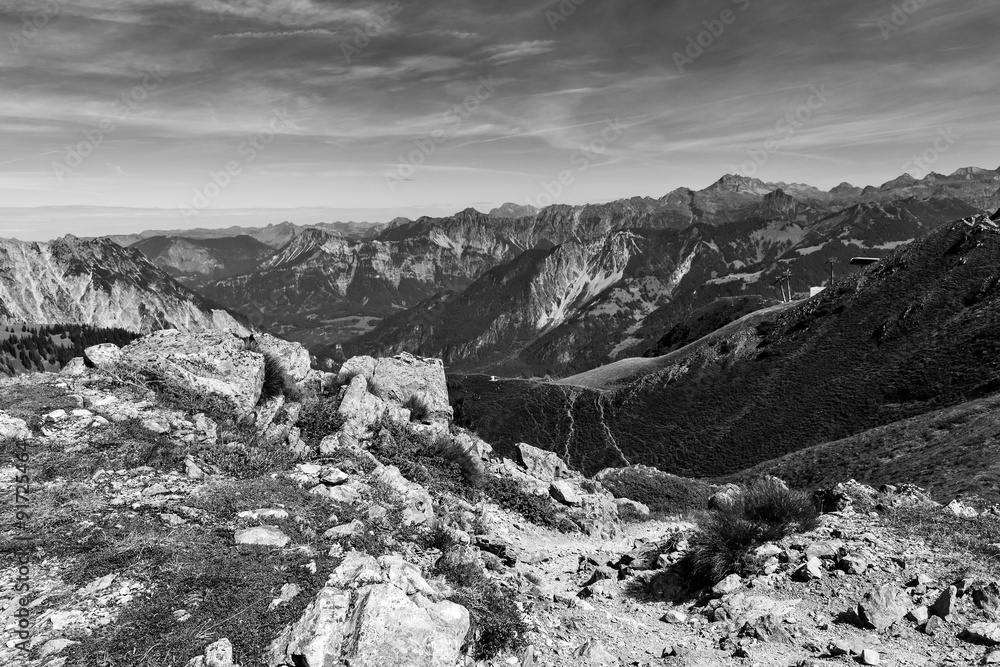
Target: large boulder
(103, 356)
(359, 407)
(202, 362)
(293, 357)
(540, 463)
(374, 614)
(403, 377)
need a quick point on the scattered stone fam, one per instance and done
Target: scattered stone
(882, 607)
(961, 510)
(344, 530)
(264, 514)
(934, 625)
(285, 595)
(155, 490)
(919, 615)
(334, 477)
(675, 617)
(54, 647)
(853, 565)
(13, 428)
(811, 570)
(217, 654)
(263, 536)
(987, 597)
(565, 493)
(944, 607)
(730, 584)
(593, 653)
(983, 633)
(870, 657)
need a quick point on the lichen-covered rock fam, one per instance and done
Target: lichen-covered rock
(403, 377)
(103, 356)
(13, 427)
(418, 506)
(293, 357)
(540, 463)
(374, 614)
(882, 607)
(211, 362)
(217, 654)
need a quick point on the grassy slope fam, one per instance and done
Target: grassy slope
(951, 452)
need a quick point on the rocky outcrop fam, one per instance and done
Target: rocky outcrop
(293, 357)
(404, 377)
(211, 362)
(374, 613)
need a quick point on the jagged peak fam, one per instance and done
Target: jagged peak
(736, 183)
(512, 210)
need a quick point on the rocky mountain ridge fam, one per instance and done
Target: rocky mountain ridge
(97, 282)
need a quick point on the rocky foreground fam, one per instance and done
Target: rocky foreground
(191, 506)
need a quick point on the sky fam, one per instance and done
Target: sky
(121, 115)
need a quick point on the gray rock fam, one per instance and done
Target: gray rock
(593, 652)
(987, 597)
(360, 408)
(565, 493)
(263, 536)
(730, 584)
(13, 428)
(811, 570)
(292, 357)
(539, 463)
(870, 657)
(217, 654)
(405, 376)
(882, 607)
(203, 362)
(983, 633)
(380, 624)
(944, 606)
(628, 507)
(104, 356)
(418, 506)
(75, 367)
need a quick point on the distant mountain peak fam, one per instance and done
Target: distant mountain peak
(735, 183)
(513, 211)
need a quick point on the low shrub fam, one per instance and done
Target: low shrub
(245, 453)
(539, 510)
(661, 492)
(276, 380)
(435, 461)
(319, 418)
(496, 623)
(419, 410)
(765, 511)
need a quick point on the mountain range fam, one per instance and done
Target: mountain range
(557, 291)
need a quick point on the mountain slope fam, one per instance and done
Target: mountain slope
(966, 437)
(195, 261)
(916, 332)
(97, 282)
